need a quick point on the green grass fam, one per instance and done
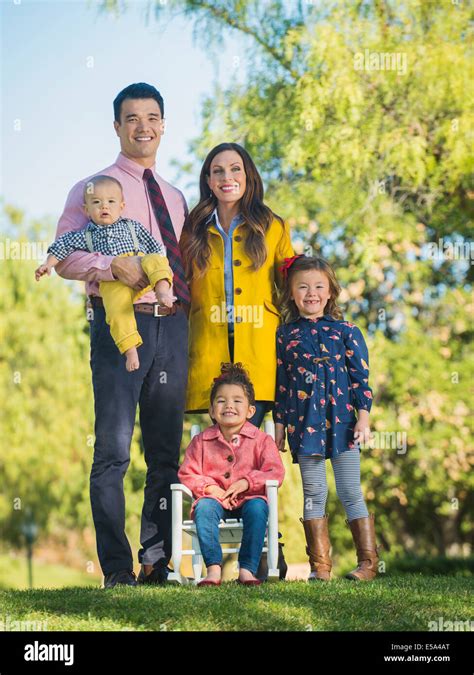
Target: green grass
(397, 603)
(14, 574)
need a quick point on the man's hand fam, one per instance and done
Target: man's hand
(129, 271)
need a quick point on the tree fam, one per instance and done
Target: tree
(359, 117)
(47, 421)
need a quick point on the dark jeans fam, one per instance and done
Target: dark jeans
(254, 513)
(261, 406)
(158, 387)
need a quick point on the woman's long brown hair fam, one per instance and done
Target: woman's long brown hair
(194, 241)
(288, 308)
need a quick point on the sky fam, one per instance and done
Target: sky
(62, 64)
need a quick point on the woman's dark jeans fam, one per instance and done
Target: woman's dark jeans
(261, 406)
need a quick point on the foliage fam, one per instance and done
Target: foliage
(371, 167)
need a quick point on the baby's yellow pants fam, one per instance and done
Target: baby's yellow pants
(118, 300)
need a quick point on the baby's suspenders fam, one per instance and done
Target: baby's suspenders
(89, 239)
(133, 234)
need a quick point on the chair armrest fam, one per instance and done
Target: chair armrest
(271, 492)
(269, 427)
(271, 489)
(271, 483)
(179, 487)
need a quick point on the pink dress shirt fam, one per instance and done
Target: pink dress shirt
(211, 460)
(95, 267)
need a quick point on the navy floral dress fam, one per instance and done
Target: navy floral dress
(322, 378)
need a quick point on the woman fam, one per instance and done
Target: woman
(232, 246)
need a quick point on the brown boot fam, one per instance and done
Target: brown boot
(318, 546)
(363, 534)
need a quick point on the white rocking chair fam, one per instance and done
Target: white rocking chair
(230, 530)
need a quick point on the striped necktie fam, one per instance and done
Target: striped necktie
(169, 237)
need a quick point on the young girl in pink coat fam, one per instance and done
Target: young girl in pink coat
(226, 467)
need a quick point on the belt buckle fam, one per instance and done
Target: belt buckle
(156, 308)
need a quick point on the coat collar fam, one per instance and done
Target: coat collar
(248, 429)
(212, 216)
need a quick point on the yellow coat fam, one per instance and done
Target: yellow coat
(255, 316)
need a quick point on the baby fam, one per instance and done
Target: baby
(110, 234)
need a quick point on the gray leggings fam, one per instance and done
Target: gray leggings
(346, 467)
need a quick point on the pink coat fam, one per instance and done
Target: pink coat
(211, 460)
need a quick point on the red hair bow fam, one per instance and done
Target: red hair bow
(287, 263)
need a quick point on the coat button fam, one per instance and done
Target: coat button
(237, 263)
(227, 474)
(237, 237)
(230, 458)
(238, 291)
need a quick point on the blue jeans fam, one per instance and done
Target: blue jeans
(254, 513)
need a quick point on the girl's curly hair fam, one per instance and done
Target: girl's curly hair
(233, 373)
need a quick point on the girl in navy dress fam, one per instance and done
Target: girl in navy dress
(323, 400)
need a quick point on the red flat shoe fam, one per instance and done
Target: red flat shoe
(250, 582)
(208, 582)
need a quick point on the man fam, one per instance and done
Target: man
(158, 386)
